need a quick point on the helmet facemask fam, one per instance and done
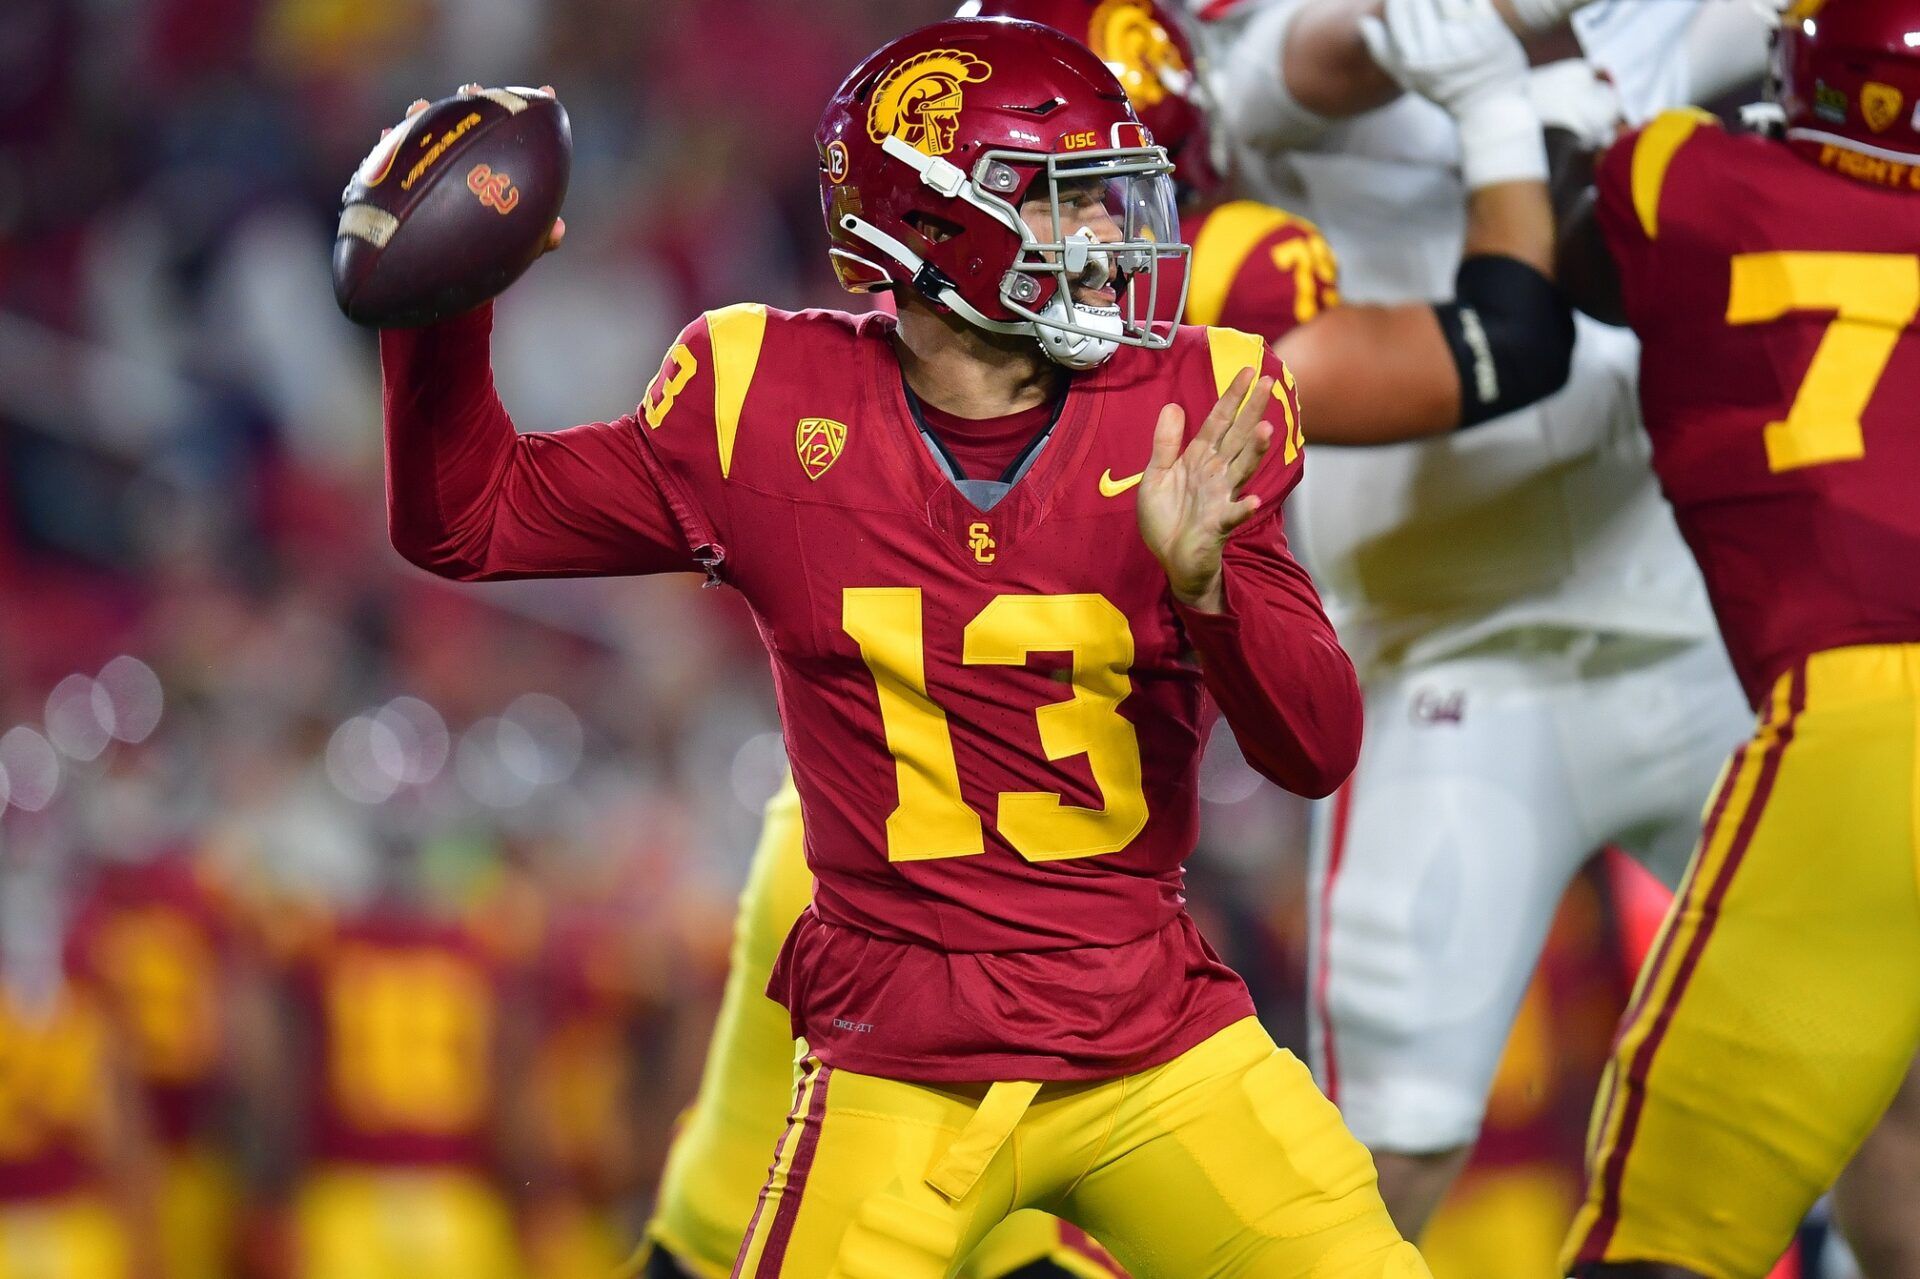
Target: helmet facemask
(1134, 184)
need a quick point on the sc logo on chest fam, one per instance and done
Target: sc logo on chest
(980, 541)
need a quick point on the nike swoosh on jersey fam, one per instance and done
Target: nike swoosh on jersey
(1110, 487)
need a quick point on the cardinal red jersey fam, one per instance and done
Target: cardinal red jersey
(1776, 303)
(154, 938)
(1254, 267)
(403, 1015)
(993, 713)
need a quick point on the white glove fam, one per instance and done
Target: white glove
(1544, 15)
(1460, 54)
(1571, 95)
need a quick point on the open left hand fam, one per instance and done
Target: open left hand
(1190, 499)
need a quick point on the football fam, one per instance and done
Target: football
(451, 207)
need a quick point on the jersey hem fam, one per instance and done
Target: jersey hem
(1207, 1021)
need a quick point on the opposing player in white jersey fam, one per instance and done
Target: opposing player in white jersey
(1542, 674)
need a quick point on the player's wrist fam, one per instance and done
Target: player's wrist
(1500, 137)
(1206, 594)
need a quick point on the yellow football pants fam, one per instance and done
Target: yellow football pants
(1225, 1161)
(1780, 1009)
(720, 1152)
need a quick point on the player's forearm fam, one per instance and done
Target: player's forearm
(1324, 63)
(1387, 372)
(1511, 220)
(1281, 679)
(469, 498)
(449, 440)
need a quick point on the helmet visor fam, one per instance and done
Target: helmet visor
(1098, 224)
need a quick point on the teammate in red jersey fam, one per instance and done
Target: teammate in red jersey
(402, 1014)
(990, 664)
(1775, 283)
(155, 940)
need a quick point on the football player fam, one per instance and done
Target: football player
(1256, 268)
(78, 1169)
(1774, 280)
(401, 1009)
(971, 535)
(1539, 662)
(155, 939)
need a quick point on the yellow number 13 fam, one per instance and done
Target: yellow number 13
(1874, 297)
(932, 819)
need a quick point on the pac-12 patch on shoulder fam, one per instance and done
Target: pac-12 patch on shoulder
(818, 441)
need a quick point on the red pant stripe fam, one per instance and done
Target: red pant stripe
(781, 1232)
(1634, 1086)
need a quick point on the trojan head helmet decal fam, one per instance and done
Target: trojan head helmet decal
(919, 100)
(1136, 47)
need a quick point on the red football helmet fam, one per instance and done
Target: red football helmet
(1846, 73)
(933, 143)
(1146, 44)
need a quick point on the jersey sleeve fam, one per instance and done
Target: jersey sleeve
(1630, 183)
(1270, 657)
(470, 498)
(689, 422)
(1261, 270)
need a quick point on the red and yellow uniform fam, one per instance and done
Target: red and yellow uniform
(56, 1219)
(995, 718)
(404, 1014)
(1781, 1006)
(719, 1154)
(1255, 268)
(154, 939)
(1258, 268)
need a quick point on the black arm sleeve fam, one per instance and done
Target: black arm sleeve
(1511, 334)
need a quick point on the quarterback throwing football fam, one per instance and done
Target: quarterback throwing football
(997, 564)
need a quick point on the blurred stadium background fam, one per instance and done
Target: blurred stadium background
(250, 757)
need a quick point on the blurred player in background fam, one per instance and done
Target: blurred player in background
(1045, 950)
(402, 1035)
(1538, 658)
(79, 1174)
(1254, 268)
(1775, 282)
(155, 938)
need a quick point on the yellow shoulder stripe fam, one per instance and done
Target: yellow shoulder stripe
(1232, 351)
(736, 333)
(1226, 238)
(1653, 152)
